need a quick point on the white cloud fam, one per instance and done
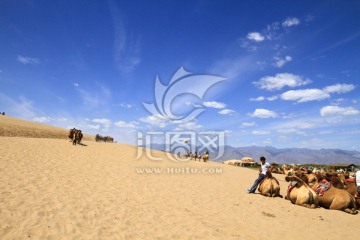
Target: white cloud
(304, 123)
(281, 80)
(218, 105)
(42, 119)
(286, 131)
(339, 88)
(126, 44)
(157, 120)
(289, 22)
(103, 121)
(260, 132)
(290, 130)
(97, 97)
(27, 60)
(247, 124)
(338, 111)
(96, 127)
(62, 119)
(305, 95)
(255, 36)
(226, 111)
(258, 99)
(272, 31)
(123, 124)
(279, 62)
(22, 108)
(46, 119)
(126, 105)
(190, 125)
(264, 113)
(272, 98)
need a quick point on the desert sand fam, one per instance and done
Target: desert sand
(50, 189)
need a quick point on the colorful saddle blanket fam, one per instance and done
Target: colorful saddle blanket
(322, 187)
(350, 180)
(291, 186)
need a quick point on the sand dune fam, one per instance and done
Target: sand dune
(12, 127)
(50, 189)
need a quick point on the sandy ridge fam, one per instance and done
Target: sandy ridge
(13, 127)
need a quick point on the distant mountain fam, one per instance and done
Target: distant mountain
(288, 155)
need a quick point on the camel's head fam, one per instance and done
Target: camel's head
(288, 178)
(311, 179)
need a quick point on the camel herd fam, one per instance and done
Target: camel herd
(75, 135)
(197, 156)
(99, 138)
(314, 188)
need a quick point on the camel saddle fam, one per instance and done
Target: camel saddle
(322, 187)
(291, 186)
(350, 180)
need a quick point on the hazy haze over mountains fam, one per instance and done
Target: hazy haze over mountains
(289, 155)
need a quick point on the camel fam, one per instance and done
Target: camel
(71, 133)
(108, 139)
(333, 198)
(287, 170)
(77, 137)
(350, 186)
(205, 157)
(300, 193)
(270, 186)
(98, 138)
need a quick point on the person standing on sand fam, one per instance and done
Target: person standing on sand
(265, 166)
(357, 179)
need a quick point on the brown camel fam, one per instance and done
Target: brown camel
(300, 193)
(287, 170)
(333, 198)
(270, 186)
(351, 187)
(77, 137)
(205, 157)
(71, 133)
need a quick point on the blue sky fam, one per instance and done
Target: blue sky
(290, 68)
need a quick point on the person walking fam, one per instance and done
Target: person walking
(265, 166)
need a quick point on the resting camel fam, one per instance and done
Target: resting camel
(300, 193)
(350, 186)
(333, 198)
(270, 186)
(276, 170)
(287, 170)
